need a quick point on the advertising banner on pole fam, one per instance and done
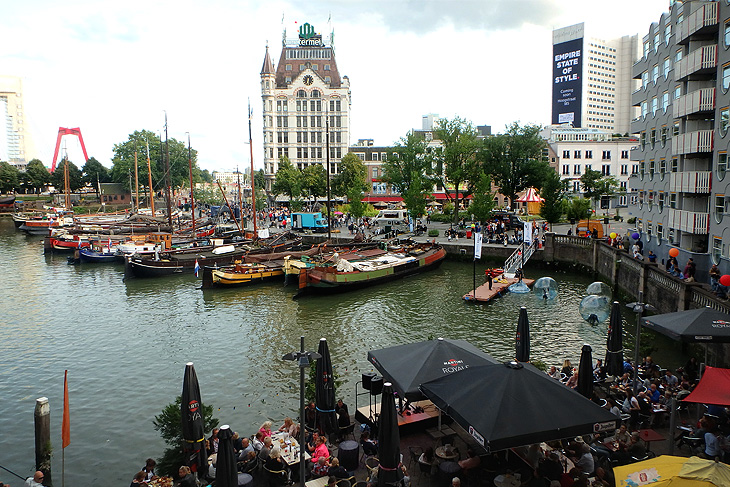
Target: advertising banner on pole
(478, 245)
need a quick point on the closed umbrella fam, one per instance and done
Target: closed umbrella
(614, 343)
(226, 473)
(585, 372)
(522, 340)
(193, 424)
(326, 420)
(389, 472)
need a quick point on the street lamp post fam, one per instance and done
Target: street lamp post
(303, 359)
(638, 307)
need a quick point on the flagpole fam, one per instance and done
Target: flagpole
(65, 429)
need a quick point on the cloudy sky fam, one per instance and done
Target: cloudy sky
(111, 68)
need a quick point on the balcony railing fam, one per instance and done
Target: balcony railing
(699, 182)
(689, 221)
(693, 142)
(702, 100)
(704, 16)
(704, 58)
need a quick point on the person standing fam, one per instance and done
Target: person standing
(714, 277)
(689, 270)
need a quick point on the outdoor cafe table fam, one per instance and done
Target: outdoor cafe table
(288, 453)
(448, 470)
(649, 435)
(245, 480)
(319, 482)
(445, 454)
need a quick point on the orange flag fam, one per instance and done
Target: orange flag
(66, 422)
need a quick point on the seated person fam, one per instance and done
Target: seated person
(343, 418)
(320, 468)
(370, 447)
(340, 407)
(320, 450)
(312, 442)
(554, 373)
(654, 393)
(137, 481)
(585, 461)
(266, 428)
(290, 427)
(187, 479)
(573, 381)
(248, 463)
(258, 441)
(471, 461)
(246, 448)
(338, 471)
(266, 450)
(275, 464)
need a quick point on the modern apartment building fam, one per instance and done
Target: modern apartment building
(573, 151)
(683, 183)
(15, 141)
(304, 97)
(592, 80)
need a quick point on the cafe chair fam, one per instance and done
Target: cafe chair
(346, 431)
(371, 463)
(415, 454)
(343, 483)
(275, 478)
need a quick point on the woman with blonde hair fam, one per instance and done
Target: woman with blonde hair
(266, 428)
(289, 427)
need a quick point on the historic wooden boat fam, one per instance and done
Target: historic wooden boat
(357, 269)
(177, 261)
(97, 255)
(43, 226)
(67, 243)
(7, 201)
(240, 274)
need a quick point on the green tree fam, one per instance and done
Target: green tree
(553, 192)
(351, 178)
(289, 181)
(483, 200)
(457, 157)
(205, 176)
(75, 177)
(514, 159)
(169, 425)
(94, 172)
(9, 177)
(315, 181)
(577, 208)
(36, 176)
(596, 185)
(408, 169)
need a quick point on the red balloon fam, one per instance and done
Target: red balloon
(673, 252)
(725, 280)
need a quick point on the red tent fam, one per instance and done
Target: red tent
(713, 388)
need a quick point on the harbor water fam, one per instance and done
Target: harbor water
(125, 345)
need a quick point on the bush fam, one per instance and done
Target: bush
(616, 218)
(441, 217)
(433, 233)
(631, 220)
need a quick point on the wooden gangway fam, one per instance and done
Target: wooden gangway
(483, 294)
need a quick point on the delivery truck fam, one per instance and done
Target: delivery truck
(309, 221)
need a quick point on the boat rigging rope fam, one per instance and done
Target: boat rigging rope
(8, 470)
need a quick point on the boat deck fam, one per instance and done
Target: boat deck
(484, 294)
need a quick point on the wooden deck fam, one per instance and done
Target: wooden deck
(485, 295)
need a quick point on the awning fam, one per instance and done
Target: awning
(713, 388)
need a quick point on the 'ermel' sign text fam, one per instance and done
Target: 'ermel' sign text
(567, 82)
(307, 36)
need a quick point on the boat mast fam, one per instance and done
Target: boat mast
(240, 199)
(149, 175)
(253, 192)
(192, 194)
(136, 179)
(167, 177)
(229, 207)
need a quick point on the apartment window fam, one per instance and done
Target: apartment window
(677, 92)
(725, 78)
(673, 200)
(646, 49)
(657, 41)
(589, 154)
(642, 140)
(606, 169)
(721, 165)
(678, 56)
(651, 168)
(727, 34)
(624, 169)
(634, 169)
(644, 79)
(623, 185)
(642, 169)
(659, 232)
(655, 73)
(653, 138)
(716, 250)
(665, 101)
(664, 135)
(675, 165)
(282, 137)
(654, 105)
(719, 207)
(576, 169)
(326, 67)
(622, 200)
(576, 154)
(315, 94)
(644, 108)
(375, 158)
(724, 120)
(675, 129)
(566, 169)
(660, 204)
(287, 81)
(288, 67)
(667, 33)
(301, 94)
(606, 155)
(624, 154)
(666, 68)
(566, 154)
(662, 167)
(589, 167)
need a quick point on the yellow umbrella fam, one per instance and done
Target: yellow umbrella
(669, 471)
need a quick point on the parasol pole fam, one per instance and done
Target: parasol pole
(329, 196)
(253, 192)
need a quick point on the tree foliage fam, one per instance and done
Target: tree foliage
(457, 157)
(514, 159)
(75, 177)
(289, 180)
(314, 181)
(596, 185)
(36, 176)
(123, 161)
(352, 178)
(577, 208)
(169, 425)
(483, 200)
(408, 169)
(553, 192)
(94, 172)
(9, 177)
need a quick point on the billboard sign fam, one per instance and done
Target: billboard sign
(567, 82)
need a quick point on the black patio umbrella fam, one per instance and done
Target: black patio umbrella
(694, 325)
(226, 472)
(389, 471)
(585, 372)
(408, 366)
(193, 423)
(326, 419)
(522, 340)
(514, 404)
(615, 343)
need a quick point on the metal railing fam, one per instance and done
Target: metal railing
(519, 257)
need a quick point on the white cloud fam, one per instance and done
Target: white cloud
(112, 68)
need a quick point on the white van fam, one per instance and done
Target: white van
(391, 217)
